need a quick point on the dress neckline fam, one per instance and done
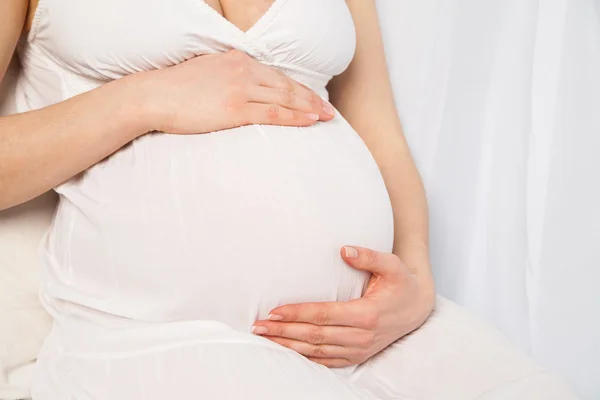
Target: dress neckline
(256, 27)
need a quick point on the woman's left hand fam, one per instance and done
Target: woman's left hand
(339, 334)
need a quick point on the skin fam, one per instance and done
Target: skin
(243, 14)
(401, 293)
(43, 148)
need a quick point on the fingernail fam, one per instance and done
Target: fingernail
(314, 117)
(328, 108)
(259, 330)
(351, 252)
(275, 317)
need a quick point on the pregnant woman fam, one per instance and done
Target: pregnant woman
(212, 200)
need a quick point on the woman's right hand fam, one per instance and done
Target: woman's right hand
(220, 91)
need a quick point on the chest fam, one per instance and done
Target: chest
(241, 13)
(312, 40)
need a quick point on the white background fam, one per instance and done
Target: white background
(500, 101)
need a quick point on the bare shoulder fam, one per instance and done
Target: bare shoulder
(13, 14)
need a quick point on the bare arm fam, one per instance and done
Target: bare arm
(41, 149)
(14, 13)
(363, 95)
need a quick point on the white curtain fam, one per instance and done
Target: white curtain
(500, 101)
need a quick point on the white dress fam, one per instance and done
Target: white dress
(161, 257)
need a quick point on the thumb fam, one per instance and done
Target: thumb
(373, 261)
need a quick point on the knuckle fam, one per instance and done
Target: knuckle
(322, 318)
(296, 115)
(278, 330)
(272, 112)
(316, 335)
(286, 97)
(370, 257)
(318, 351)
(284, 81)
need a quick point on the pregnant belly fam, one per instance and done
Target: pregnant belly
(221, 226)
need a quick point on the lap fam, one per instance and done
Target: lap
(456, 355)
(178, 360)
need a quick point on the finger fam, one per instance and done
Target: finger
(332, 362)
(275, 79)
(312, 350)
(315, 334)
(282, 97)
(355, 313)
(271, 114)
(386, 265)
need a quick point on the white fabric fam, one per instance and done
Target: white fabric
(456, 356)
(222, 226)
(23, 322)
(453, 357)
(500, 100)
(198, 230)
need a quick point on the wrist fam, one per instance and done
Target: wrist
(415, 255)
(136, 112)
(416, 259)
(427, 285)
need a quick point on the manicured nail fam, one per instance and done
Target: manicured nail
(351, 252)
(275, 317)
(311, 116)
(328, 108)
(259, 330)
